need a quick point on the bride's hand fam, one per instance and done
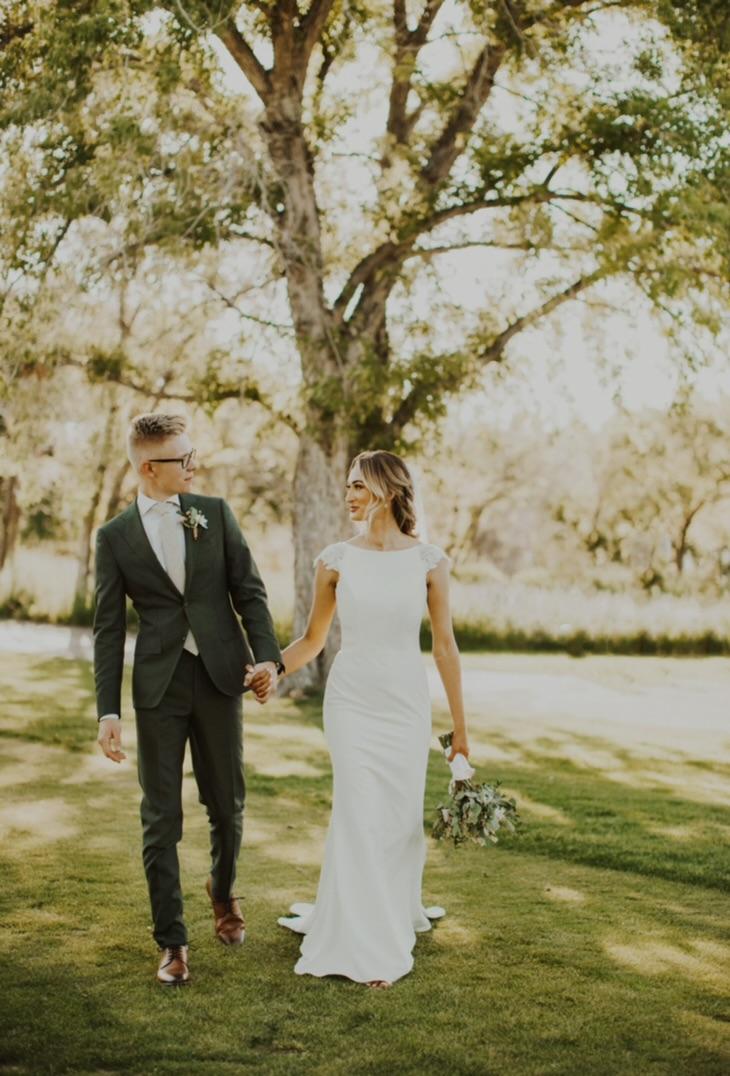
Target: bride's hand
(260, 680)
(459, 746)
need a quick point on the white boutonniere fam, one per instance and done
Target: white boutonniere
(193, 519)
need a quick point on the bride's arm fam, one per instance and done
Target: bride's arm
(446, 652)
(311, 643)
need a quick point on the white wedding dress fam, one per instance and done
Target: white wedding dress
(377, 723)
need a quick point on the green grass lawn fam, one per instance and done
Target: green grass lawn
(596, 941)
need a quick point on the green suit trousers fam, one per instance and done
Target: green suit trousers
(192, 708)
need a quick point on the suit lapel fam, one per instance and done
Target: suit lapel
(190, 544)
(137, 539)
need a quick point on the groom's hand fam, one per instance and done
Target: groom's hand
(263, 678)
(110, 738)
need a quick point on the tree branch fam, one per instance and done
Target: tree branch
(313, 24)
(500, 201)
(537, 196)
(557, 9)
(384, 255)
(244, 56)
(402, 71)
(408, 43)
(409, 405)
(494, 352)
(388, 252)
(247, 390)
(233, 305)
(450, 143)
(449, 248)
(428, 16)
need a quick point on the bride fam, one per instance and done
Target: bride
(377, 722)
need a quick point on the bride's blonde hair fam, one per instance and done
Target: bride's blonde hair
(388, 479)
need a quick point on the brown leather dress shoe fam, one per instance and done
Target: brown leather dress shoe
(229, 927)
(173, 969)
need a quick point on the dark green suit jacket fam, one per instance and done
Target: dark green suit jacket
(220, 577)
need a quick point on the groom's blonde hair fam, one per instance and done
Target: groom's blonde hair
(152, 427)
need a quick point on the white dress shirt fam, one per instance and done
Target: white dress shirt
(151, 522)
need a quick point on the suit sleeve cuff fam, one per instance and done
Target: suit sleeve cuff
(105, 717)
(275, 658)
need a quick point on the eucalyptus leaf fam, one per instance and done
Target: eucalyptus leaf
(475, 813)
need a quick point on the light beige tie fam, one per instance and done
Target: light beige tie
(173, 549)
(172, 543)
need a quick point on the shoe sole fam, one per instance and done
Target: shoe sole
(174, 982)
(227, 941)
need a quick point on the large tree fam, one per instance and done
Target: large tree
(363, 151)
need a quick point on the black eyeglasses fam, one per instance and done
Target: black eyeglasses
(184, 461)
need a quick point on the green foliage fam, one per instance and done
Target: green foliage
(474, 636)
(105, 365)
(389, 404)
(18, 605)
(41, 519)
(120, 115)
(113, 132)
(217, 381)
(698, 22)
(501, 160)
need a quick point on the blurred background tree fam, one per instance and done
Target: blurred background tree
(317, 213)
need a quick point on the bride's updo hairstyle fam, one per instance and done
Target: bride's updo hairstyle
(388, 479)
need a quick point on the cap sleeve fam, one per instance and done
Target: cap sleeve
(431, 555)
(331, 556)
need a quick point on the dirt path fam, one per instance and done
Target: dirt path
(49, 640)
(665, 704)
(657, 706)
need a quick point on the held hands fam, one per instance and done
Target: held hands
(459, 746)
(110, 738)
(263, 678)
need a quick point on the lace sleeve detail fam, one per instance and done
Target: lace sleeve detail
(331, 556)
(431, 555)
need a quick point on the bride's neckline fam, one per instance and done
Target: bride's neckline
(366, 549)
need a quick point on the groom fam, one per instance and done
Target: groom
(184, 563)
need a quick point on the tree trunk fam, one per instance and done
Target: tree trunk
(10, 519)
(681, 544)
(83, 556)
(319, 518)
(471, 532)
(115, 493)
(83, 572)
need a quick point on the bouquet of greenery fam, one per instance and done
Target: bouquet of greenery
(474, 812)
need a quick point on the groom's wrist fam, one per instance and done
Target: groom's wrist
(276, 662)
(109, 717)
